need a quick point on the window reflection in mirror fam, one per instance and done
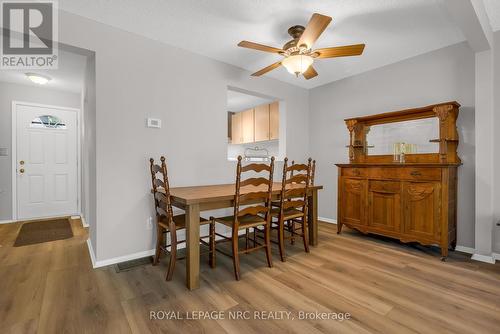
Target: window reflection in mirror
(411, 137)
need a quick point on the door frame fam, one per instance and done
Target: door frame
(14, 153)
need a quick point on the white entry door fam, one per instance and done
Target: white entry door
(46, 166)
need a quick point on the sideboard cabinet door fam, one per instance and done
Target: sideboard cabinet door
(353, 201)
(422, 209)
(384, 205)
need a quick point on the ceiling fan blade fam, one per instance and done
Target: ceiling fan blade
(267, 69)
(310, 73)
(260, 47)
(340, 51)
(317, 24)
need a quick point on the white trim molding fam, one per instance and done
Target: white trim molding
(7, 221)
(84, 222)
(91, 253)
(483, 258)
(496, 256)
(327, 220)
(114, 260)
(463, 249)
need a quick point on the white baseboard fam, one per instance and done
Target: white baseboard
(463, 249)
(327, 220)
(84, 222)
(496, 256)
(91, 252)
(133, 256)
(108, 262)
(7, 221)
(483, 258)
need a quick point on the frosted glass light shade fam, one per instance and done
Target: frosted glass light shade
(297, 64)
(38, 78)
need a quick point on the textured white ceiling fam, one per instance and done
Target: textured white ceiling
(393, 30)
(68, 77)
(493, 11)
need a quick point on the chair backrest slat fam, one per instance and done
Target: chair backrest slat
(295, 186)
(252, 197)
(254, 190)
(255, 181)
(256, 168)
(252, 210)
(161, 190)
(297, 178)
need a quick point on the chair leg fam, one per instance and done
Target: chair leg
(267, 239)
(292, 231)
(173, 252)
(236, 255)
(281, 239)
(159, 243)
(211, 260)
(247, 238)
(305, 234)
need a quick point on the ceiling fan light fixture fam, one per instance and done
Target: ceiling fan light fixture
(297, 64)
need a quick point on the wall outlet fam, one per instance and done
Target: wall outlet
(149, 223)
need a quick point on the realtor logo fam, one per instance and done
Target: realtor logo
(29, 35)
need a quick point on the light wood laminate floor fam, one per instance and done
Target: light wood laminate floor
(386, 287)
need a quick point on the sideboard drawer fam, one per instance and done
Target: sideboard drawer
(425, 174)
(384, 186)
(354, 172)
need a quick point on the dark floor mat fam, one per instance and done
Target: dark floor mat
(43, 231)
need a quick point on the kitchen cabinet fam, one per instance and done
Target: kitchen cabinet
(236, 132)
(261, 116)
(274, 121)
(255, 125)
(247, 126)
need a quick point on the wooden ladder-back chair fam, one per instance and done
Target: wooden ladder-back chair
(255, 194)
(292, 207)
(166, 222)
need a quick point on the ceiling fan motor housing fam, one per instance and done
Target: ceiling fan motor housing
(291, 47)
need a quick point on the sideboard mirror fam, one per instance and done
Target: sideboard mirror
(420, 135)
(411, 137)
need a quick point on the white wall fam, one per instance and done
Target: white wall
(496, 143)
(443, 75)
(15, 92)
(138, 78)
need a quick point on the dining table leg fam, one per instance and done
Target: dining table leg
(312, 218)
(193, 246)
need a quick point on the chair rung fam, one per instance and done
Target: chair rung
(244, 251)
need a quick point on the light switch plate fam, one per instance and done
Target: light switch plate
(154, 123)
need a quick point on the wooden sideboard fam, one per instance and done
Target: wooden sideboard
(415, 201)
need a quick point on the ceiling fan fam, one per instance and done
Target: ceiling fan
(298, 54)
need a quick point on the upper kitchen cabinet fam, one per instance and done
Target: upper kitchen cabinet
(236, 131)
(255, 125)
(274, 120)
(247, 126)
(262, 121)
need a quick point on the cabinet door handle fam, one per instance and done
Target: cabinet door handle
(415, 173)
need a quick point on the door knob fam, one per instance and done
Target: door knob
(21, 162)
(21, 171)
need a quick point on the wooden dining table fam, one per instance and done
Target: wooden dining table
(203, 198)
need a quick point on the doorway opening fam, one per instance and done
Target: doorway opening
(46, 131)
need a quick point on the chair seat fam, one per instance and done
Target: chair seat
(180, 222)
(246, 221)
(288, 214)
